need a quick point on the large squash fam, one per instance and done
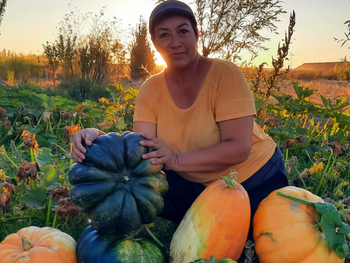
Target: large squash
(286, 231)
(111, 248)
(117, 189)
(217, 224)
(36, 245)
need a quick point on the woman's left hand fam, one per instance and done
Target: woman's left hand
(162, 154)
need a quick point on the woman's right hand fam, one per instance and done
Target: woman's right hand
(87, 135)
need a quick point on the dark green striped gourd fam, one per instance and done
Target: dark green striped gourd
(111, 248)
(212, 260)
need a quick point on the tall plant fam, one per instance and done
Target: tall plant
(264, 86)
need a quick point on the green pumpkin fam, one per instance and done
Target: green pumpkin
(117, 189)
(212, 260)
(111, 248)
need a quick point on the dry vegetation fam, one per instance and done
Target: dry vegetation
(324, 81)
(332, 89)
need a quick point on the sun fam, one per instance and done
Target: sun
(158, 59)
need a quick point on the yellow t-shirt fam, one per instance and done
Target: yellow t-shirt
(224, 95)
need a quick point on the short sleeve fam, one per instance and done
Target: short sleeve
(146, 104)
(234, 98)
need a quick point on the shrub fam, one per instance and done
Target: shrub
(83, 89)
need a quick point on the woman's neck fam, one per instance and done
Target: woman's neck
(184, 74)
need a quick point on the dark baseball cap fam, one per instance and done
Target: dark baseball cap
(171, 7)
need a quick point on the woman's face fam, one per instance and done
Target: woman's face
(176, 41)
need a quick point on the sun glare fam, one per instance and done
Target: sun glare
(158, 59)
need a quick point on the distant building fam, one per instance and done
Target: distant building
(322, 66)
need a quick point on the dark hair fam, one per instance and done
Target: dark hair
(171, 7)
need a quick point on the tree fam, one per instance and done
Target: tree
(62, 52)
(2, 9)
(86, 59)
(227, 27)
(51, 53)
(142, 61)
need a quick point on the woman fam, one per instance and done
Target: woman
(198, 114)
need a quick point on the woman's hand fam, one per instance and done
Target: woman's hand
(87, 135)
(162, 154)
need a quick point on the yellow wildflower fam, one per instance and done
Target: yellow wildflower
(2, 149)
(316, 168)
(338, 192)
(104, 100)
(2, 174)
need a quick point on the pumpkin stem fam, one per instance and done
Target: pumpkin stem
(230, 179)
(212, 259)
(154, 237)
(26, 244)
(296, 199)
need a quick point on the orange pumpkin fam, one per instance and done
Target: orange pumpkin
(35, 245)
(285, 230)
(217, 224)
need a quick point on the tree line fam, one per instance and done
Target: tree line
(100, 55)
(88, 58)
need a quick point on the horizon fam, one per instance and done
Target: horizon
(312, 40)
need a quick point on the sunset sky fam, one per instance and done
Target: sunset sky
(27, 24)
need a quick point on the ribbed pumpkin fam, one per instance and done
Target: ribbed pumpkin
(117, 189)
(111, 248)
(36, 245)
(285, 230)
(217, 224)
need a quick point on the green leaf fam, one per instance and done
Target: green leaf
(128, 118)
(323, 208)
(35, 112)
(44, 156)
(325, 101)
(121, 124)
(34, 198)
(51, 174)
(302, 131)
(302, 92)
(41, 98)
(335, 231)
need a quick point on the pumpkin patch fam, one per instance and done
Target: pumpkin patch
(120, 193)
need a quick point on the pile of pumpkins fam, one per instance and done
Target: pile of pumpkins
(121, 193)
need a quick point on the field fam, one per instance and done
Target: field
(309, 119)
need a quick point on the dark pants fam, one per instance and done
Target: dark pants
(182, 193)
